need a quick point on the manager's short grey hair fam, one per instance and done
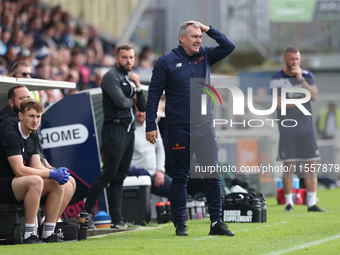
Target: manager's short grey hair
(184, 26)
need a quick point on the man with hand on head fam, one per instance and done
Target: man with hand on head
(188, 131)
(21, 176)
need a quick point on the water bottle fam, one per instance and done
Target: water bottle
(200, 209)
(83, 220)
(160, 209)
(191, 210)
(168, 210)
(83, 224)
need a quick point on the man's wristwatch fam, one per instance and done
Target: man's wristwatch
(138, 89)
(301, 80)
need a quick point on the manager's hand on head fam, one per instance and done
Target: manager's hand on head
(204, 28)
(60, 175)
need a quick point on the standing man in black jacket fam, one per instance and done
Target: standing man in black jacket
(122, 92)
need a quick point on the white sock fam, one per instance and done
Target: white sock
(48, 229)
(311, 198)
(289, 199)
(29, 230)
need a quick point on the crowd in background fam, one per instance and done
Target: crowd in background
(57, 46)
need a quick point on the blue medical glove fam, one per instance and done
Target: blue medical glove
(60, 175)
(64, 179)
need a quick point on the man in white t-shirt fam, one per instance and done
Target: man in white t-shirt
(149, 159)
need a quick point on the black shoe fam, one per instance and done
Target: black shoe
(219, 229)
(182, 229)
(315, 208)
(123, 224)
(90, 224)
(32, 240)
(288, 208)
(53, 239)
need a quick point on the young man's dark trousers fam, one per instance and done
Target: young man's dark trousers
(117, 147)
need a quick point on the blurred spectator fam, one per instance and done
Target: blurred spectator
(145, 63)
(59, 29)
(55, 74)
(97, 46)
(27, 41)
(66, 17)
(68, 35)
(42, 71)
(56, 14)
(73, 76)
(46, 17)
(3, 46)
(108, 61)
(5, 35)
(42, 56)
(78, 57)
(91, 63)
(7, 20)
(45, 38)
(64, 70)
(328, 121)
(81, 37)
(66, 52)
(11, 56)
(35, 25)
(16, 39)
(47, 97)
(22, 20)
(25, 55)
(98, 77)
(21, 69)
(3, 66)
(52, 96)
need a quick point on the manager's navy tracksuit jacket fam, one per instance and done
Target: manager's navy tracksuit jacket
(186, 126)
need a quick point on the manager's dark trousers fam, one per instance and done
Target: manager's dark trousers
(117, 146)
(203, 144)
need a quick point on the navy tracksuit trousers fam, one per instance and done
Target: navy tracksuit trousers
(183, 143)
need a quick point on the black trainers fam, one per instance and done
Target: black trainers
(315, 208)
(288, 208)
(32, 240)
(53, 239)
(90, 224)
(182, 229)
(219, 229)
(123, 224)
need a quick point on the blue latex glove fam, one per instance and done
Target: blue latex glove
(60, 175)
(65, 177)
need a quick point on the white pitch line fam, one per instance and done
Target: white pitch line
(203, 238)
(306, 245)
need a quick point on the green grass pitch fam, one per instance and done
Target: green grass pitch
(298, 232)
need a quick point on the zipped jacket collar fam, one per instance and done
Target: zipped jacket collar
(180, 50)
